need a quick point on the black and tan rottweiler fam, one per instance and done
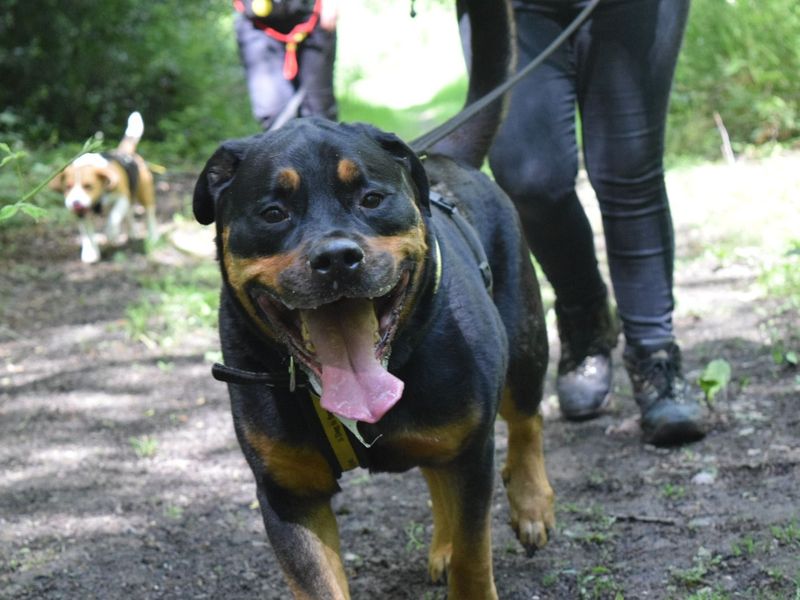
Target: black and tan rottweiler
(366, 288)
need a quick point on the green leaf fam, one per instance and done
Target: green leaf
(32, 210)
(12, 156)
(5, 147)
(791, 357)
(8, 211)
(715, 378)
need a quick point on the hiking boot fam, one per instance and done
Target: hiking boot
(671, 412)
(587, 334)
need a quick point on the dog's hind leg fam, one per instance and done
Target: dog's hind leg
(146, 195)
(117, 215)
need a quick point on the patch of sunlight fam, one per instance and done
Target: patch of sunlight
(387, 58)
(756, 200)
(50, 462)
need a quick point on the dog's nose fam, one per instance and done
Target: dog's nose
(336, 257)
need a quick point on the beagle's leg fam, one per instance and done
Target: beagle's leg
(90, 252)
(152, 224)
(146, 195)
(118, 214)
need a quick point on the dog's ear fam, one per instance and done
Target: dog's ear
(109, 177)
(216, 176)
(57, 183)
(406, 157)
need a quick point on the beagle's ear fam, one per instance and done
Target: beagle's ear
(58, 183)
(405, 157)
(109, 177)
(216, 176)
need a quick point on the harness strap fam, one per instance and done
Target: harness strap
(469, 233)
(128, 164)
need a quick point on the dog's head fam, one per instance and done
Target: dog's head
(84, 182)
(321, 231)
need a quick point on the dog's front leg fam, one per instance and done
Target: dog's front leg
(461, 495)
(305, 538)
(90, 252)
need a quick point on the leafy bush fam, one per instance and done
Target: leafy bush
(70, 69)
(740, 58)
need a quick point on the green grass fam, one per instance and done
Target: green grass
(703, 564)
(406, 78)
(411, 122)
(144, 446)
(788, 534)
(598, 583)
(415, 533)
(174, 305)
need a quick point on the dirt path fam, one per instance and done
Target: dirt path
(120, 476)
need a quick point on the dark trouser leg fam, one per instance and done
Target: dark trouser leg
(625, 62)
(316, 59)
(262, 58)
(535, 159)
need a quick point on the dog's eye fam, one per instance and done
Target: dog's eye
(274, 214)
(371, 200)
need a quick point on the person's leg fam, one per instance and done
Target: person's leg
(316, 58)
(625, 63)
(262, 58)
(535, 160)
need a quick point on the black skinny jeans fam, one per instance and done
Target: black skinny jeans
(617, 71)
(263, 56)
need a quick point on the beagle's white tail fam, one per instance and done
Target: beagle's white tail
(133, 133)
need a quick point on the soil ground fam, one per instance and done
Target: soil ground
(120, 476)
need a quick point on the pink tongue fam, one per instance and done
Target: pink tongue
(354, 384)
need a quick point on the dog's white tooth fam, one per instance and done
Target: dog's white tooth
(316, 384)
(305, 333)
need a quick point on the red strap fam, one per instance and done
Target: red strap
(292, 39)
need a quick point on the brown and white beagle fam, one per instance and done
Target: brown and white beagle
(109, 183)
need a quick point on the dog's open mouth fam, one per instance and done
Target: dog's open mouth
(345, 344)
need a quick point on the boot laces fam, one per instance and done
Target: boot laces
(659, 377)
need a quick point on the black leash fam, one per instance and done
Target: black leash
(290, 110)
(426, 141)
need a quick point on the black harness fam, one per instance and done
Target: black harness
(127, 162)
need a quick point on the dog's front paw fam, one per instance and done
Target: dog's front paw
(532, 507)
(439, 562)
(90, 254)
